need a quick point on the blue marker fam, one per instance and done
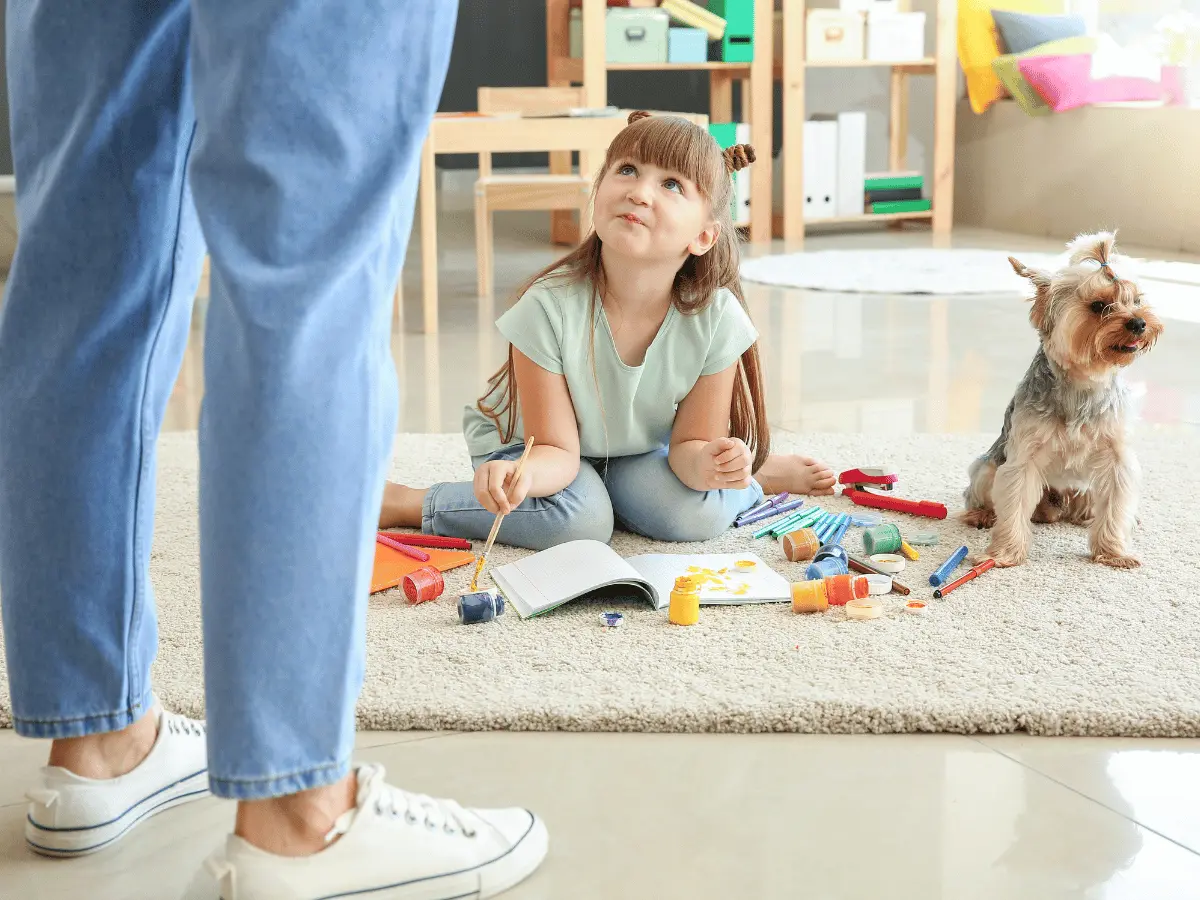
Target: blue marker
(942, 573)
(836, 537)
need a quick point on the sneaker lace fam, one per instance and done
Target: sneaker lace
(396, 803)
(183, 725)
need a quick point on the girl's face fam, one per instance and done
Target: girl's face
(648, 213)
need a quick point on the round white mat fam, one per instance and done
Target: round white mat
(927, 271)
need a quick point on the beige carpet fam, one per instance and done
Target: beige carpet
(1059, 646)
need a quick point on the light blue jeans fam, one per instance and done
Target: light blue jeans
(286, 137)
(640, 493)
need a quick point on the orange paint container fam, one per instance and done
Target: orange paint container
(809, 596)
(801, 545)
(841, 589)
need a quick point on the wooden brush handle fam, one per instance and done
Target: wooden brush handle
(516, 477)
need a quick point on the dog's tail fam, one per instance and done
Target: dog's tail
(1096, 247)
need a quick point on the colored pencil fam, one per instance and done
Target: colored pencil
(413, 552)
(866, 568)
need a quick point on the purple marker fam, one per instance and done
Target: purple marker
(773, 511)
(747, 516)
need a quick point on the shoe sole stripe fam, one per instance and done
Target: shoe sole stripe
(58, 851)
(116, 819)
(475, 893)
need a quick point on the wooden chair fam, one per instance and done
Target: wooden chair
(553, 191)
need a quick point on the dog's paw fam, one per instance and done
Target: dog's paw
(1006, 557)
(980, 518)
(1117, 561)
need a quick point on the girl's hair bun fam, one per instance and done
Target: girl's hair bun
(637, 115)
(739, 156)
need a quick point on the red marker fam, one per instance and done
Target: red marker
(926, 508)
(427, 540)
(973, 572)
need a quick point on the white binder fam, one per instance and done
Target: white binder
(851, 163)
(820, 168)
(741, 182)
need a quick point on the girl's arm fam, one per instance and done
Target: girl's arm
(549, 416)
(702, 455)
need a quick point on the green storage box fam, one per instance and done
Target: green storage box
(738, 43)
(636, 35)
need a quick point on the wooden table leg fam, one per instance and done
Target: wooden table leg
(429, 254)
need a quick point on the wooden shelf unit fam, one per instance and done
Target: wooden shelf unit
(943, 65)
(756, 79)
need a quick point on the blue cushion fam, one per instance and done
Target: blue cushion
(1024, 31)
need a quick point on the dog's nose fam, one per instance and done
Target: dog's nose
(1136, 325)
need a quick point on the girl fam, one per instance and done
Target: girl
(634, 365)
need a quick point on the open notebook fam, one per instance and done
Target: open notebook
(556, 576)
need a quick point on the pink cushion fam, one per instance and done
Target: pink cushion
(1065, 82)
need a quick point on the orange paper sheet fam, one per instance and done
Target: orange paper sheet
(391, 565)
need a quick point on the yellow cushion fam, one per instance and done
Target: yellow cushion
(979, 44)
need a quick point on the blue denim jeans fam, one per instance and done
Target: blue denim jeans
(640, 493)
(285, 137)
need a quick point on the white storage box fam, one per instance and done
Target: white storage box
(834, 35)
(896, 37)
(869, 6)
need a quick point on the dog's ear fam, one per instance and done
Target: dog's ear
(1039, 315)
(1039, 277)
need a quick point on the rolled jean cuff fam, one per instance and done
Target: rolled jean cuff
(279, 785)
(81, 726)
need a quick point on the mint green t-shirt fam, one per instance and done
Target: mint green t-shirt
(635, 408)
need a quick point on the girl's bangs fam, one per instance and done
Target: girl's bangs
(674, 144)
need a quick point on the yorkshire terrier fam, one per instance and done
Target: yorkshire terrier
(1062, 453)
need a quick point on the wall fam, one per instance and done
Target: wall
(1079, 171)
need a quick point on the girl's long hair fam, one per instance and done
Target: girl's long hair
(676, 145)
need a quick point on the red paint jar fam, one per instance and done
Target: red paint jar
(426, 583)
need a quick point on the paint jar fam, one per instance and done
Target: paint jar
(881, 539)
(841, 589)
(801, 545)
(423, 584)
(481, 606)
(832, 551)
(809, 596)
(826, 568)
(685, 602)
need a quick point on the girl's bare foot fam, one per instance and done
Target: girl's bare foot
(401, 506)
(796, 475)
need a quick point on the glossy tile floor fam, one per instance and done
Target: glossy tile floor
(756, 816)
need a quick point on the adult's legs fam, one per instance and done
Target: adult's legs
(310, 119)
(91, 337)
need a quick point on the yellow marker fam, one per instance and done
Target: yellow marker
(685, 602)
(907, 549)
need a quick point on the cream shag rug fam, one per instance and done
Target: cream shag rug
(1173, 285)
(1059, 646)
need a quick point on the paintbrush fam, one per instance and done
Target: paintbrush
(487, 548)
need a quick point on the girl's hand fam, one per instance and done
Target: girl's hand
(494, 486)
(726, 464)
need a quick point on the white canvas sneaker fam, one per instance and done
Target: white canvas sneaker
(392, 845)
(73, 816)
